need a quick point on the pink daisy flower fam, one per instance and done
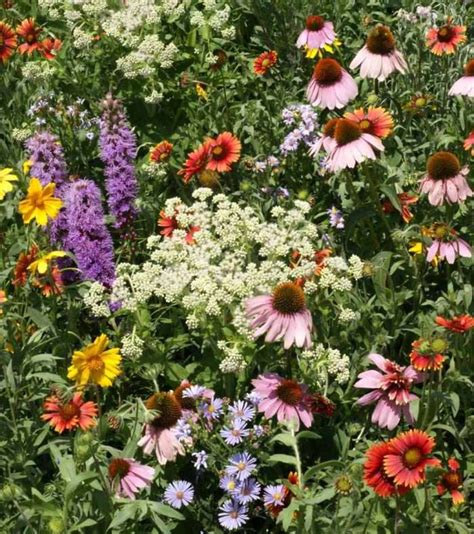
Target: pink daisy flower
(446, 245)
(281, 315)
(129, 477)
(287, 399)
(351, 146)
(391, 391)
(331, 86)
(317, 34)
(465, 85)
(379, 58)
(444, 180)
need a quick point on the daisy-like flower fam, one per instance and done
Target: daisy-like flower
(469, 143)
(236, 433)
(375, 475)
(445, 180)
(129, 477)
(451, 481)
(465, 85)
(264, 62)
(6, 179)
(281, 315)
(318, 35)
(40, 203)
(405, 200)
(446, 244)
(426, 355)
(161, 152)
(242, 410)
(408, 457)
(351, 146)
(232, 515)
(391, 391)
(94, 364)
(7, 41)
(161, 433)
(247, 491)
(50, 47)
(40, 265)
(374, 121)
(29, 31)
(274, 495)
(379, 57)
(459, 324)
(285, 398)
(196, 162)
(241, 466)
(331, 86)
(69, 414)
(179, 493)
(445, 39)
(224, 150)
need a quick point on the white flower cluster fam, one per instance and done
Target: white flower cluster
(96, 299)
(234, 361)
(327, 361)
(149, 54)
(132, 346)
(338, 274)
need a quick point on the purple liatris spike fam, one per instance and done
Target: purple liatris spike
(47, 157)
(117, 150)
(88, 237)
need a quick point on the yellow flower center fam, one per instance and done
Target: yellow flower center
(412, 457)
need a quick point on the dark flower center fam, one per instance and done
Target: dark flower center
(469, 68)
(288, 298)
(445, 33)
(412, 457)
(330, 127)
(381, 41)
(290, 392)
(346, 131)
(118, 467)
(443, 165)
(327, 71)
(69, 411)
(314, 23)
(168, 408)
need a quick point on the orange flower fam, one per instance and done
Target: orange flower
(405, 201)
(68, 415)
(21, 268)
(161, 152)
(30, 33)
(427, 356)
(458, 324)
(451, 481)
(48, 47)
(374, 121)
(444, 40)
(196, 162)
(224, 150)
(7, 41)
(264, 62)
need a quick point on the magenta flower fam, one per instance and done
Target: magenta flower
(391, 391)
(129, 477)
(281, 315)
(317, 34)
(287, 399)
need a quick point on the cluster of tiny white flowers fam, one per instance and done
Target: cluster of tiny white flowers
(38, 72)
(132, 346)
(337, 273)
(96, 300)
(234, 361)
(346, 315)
(328, 361)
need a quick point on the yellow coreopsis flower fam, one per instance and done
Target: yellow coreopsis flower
(40, 204)
(6, 179)
(95, 365)
(41, 264)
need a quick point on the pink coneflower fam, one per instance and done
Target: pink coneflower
(445, 180)
(160, 432)
(465, 85)
(283, 314)
(317, 34)
(391, 391)
(331, 86)
(445, 40)
(287, 399)
(378, 58)
(351, 146)
(446, 244)
(469, 143)
(129, 477)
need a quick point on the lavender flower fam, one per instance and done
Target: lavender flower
(47, 157)
(117, 151)
(336, 220)
(179, 493)
(88, 237)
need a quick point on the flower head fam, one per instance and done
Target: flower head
(6, 179)
(40, 204)
(29, 31)
(451, 481)
(264, 62)
(69, 414)
(232, 514)
(129, 477)
(161, 152)
(8, 41)
(458, 324)
(179, 493)
(445, 39)
(94, 364)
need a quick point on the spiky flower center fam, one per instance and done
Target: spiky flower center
(443, 165)
(469, 68)
(69, 411)
(327, 72)
(290, 392)
(346, 131)
(330, 127)
(314, 23)
(168, 408)
(381, 41)
(412, 457)
(118, 467)
(288, 298)
(446, 33)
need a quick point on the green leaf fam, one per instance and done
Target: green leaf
(283, 459)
